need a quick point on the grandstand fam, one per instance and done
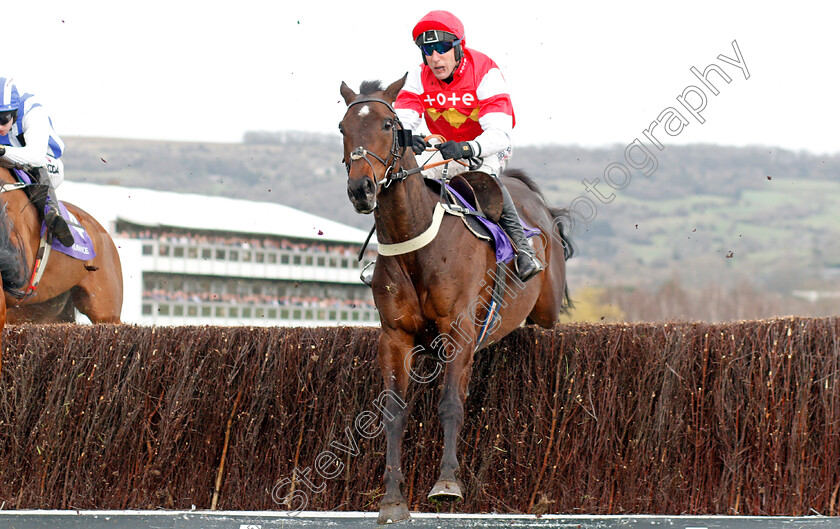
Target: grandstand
(198, 260)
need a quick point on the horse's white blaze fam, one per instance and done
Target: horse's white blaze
(364, 111)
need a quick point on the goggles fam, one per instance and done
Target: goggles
(6, 117)
(440, 47)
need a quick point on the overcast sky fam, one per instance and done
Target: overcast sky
(585, 73)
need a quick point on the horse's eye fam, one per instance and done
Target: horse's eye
(389, 124)
(341, 128)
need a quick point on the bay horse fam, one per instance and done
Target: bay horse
(436, 297)
(93, 287)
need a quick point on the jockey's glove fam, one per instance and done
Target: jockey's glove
(454, 150)
(418, 144)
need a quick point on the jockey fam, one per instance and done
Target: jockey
(27, 138)
(463, 97)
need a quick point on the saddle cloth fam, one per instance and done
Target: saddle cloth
(82, 248)
(497, 236)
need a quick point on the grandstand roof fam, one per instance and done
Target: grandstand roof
(147, 207)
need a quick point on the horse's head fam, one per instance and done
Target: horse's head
(372, 145)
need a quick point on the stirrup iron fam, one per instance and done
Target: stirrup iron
(536, 266)
(367, 273)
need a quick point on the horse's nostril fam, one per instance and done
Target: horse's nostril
(369, 187)
(362, 192)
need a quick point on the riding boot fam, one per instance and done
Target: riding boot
(48, 205)
(527, 264)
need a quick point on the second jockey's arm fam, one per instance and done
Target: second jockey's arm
(37, 136)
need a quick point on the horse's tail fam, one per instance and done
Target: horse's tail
(562, 216)
(563, 222)
(568, 248)
(566, 221)
(12, 258)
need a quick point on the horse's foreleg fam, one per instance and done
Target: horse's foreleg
(457, 353)
(394, 349)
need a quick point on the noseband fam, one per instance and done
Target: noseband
(401, 139)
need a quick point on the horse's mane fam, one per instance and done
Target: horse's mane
(370, 87)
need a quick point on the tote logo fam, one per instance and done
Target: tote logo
(441, 99)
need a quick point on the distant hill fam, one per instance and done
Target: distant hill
(707, 213)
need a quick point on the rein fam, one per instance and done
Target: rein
(6, 187)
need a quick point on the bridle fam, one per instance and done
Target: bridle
(401, 139)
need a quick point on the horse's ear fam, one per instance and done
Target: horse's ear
(394, 88)
(347, 93)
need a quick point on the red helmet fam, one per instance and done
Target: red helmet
(440, 26)
(440, 21)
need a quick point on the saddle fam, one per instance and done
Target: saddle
(481, 191)
(476, 197)
(461, 198)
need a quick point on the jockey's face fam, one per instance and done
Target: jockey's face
(442, 64)
(7, 126)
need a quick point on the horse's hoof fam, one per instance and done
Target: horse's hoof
(446, 490)
(394, 512)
